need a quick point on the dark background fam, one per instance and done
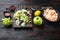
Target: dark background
(46, 32)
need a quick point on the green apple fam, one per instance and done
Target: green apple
(24, 18)
(23, 10)
(17, 14)
(37, 20)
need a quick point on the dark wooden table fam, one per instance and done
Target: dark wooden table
(46, 32)
(42, 33)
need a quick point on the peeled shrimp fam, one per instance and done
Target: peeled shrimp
(50, 15)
